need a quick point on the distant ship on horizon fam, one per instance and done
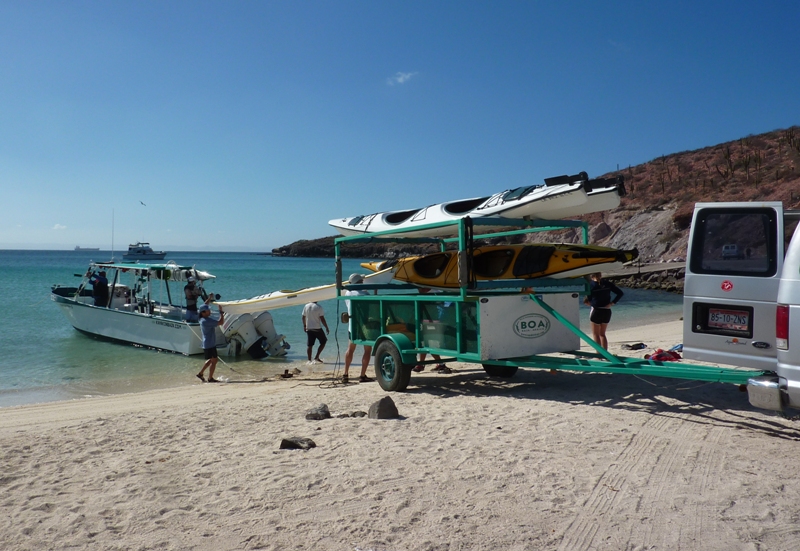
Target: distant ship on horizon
(79, 248)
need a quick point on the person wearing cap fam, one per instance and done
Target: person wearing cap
(313, 320)
(355, 279)
(208, 327)
(99, 285)
(192, 292)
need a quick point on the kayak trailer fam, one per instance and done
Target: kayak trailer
(501, 324)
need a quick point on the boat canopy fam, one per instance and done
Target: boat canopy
(161, 270)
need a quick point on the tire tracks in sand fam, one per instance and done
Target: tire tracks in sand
(666, 465)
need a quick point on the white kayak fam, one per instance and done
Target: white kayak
(605, 195)
(284, 298)
(559, 197)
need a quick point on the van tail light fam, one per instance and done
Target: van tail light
(782, 327)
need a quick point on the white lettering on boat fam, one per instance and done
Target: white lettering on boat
(168, 324)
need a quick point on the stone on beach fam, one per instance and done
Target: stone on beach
(297, 443)
(318, 413)
(384, 408)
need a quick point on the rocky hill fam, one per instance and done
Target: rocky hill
(656, 213)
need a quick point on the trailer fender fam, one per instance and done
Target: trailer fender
(403, 345)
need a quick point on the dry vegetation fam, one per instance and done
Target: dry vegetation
(755, 168)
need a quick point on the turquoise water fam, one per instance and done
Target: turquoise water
(45, 359)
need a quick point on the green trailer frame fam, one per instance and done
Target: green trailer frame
(395, 320)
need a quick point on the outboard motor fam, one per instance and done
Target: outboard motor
(240, 328)
(274, 344)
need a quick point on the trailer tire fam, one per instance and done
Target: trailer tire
(392, 374)
(503, 371)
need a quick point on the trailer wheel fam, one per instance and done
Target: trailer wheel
(504, 371)
(391, 372)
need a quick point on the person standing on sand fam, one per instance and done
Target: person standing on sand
(355, 279)
(599, 298)
(313, 321)
(208, 326)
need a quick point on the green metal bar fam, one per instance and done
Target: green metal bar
(417, 324)
(636, 366)
(521, 222)
(338, 268)
(583, 336)
(552, 227)
(462, 248)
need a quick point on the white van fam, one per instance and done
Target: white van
(737, 273)
(730, 251)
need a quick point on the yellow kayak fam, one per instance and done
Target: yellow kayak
(491, 262)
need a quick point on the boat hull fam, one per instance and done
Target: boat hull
(497, 262)
(598, 201)
(133, 327)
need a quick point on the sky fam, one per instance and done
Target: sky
(244, 125)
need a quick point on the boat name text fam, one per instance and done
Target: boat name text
(169, 324)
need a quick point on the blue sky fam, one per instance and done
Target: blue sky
(249, 125)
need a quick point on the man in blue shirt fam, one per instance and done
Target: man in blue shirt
(99, 285)
(208, 326)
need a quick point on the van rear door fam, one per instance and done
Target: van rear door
(729, 300)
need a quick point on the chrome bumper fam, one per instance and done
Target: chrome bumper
(767, 393)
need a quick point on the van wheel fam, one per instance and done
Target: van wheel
(503, 371)
(392, 374)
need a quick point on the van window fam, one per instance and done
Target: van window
(735, 242)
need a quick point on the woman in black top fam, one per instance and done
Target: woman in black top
(599, 298)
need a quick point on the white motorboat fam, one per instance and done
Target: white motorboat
(146, 307)
(142, 251)
(558, 197)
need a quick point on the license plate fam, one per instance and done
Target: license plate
(737, 320)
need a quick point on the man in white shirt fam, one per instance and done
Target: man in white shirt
(313, 321)
(351, 348)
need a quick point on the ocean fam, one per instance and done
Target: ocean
(44, 359)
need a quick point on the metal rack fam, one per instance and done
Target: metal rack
(475, 323)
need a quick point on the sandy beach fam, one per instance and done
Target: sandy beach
(561, 461)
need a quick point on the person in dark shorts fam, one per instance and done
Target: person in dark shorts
(313, 321)
(208, 326)
(599, 298)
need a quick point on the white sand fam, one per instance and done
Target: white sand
(542, 461)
